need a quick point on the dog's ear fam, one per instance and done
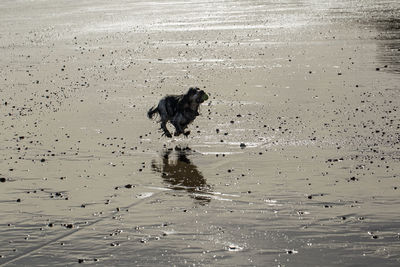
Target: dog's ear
(192, 91)
(185, 99)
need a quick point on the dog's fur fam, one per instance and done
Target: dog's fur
(180, 110)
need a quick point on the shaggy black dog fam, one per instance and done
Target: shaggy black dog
(180, 110)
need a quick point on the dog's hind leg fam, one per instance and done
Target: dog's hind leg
(164, 121)
(165, 129)
(164, 118)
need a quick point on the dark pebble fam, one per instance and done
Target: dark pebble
(3, 180)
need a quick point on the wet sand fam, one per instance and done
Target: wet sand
(310, 88)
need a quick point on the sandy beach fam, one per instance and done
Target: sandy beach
(294, 160)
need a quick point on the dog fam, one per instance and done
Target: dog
(180, 110)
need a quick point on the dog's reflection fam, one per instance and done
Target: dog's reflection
(181, 174)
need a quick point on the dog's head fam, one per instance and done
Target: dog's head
(195, 95)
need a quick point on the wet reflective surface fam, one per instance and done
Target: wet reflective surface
(389, 45)
(294, 160)
(181, 174)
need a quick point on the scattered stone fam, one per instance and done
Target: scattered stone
(291, 251)
(69, 226)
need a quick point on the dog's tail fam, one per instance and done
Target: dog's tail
(151, 112)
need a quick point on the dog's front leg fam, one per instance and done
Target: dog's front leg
(178, 130)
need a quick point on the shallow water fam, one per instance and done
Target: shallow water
(310, 88)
